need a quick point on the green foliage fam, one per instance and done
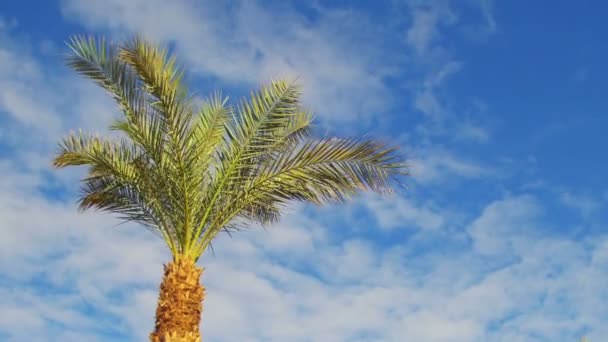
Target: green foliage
(188, 171)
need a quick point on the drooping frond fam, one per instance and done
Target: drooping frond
(329, 170)
(113, 195)
(117, 181)
(318, 171)
(105, 157)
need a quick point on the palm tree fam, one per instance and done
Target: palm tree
(187, 171)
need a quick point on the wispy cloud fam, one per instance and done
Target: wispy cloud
(427, 19)
(337, 54)
(400, 212)
(500, 227)
(487, 8)
(430, 27)
(586, 205)
(437, 165)
(39, 99)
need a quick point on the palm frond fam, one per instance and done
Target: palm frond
(321, 171)
(208, 130)
(98, 60)
(254, 133)
(189, 173)
(162, 79)
(117, 169)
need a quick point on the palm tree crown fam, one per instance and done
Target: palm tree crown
(187, 171)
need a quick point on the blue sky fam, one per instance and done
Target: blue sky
(499, 235)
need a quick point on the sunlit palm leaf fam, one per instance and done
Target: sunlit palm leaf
(330, 170)
(187, 173)
(98, 61)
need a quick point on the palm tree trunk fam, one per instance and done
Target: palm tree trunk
(180, 303)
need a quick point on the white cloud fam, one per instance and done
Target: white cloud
(400, 212)
(435, 166)
(426, 101)
(423, 36)
(41, 103)
(244, 42)
(498, 229)
(423, 30)
(442, 74)
(469, 131)
(586, 205)
(431, 22)
(19, 75)
(487, 10)
(427, 19)
(434, 326)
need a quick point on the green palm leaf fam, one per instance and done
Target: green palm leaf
(188, 172)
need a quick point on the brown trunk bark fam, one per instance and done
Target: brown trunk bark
(180, 303)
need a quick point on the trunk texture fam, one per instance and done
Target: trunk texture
(180, 303)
